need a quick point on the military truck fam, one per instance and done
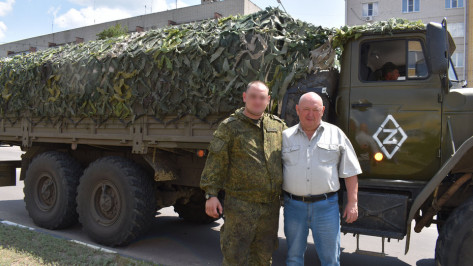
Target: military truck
(115, 130)
(413, 138)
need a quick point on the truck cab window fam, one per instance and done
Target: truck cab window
(452, 73)
(393, 60)
(417, 67)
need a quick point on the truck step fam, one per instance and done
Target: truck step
(368, 252)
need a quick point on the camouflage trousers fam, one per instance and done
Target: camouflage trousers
(249, 235)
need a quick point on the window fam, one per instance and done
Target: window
(370, 9)
(456, 29)
(458, 59)
(416, 67)
(452, 75)
(453, 3)
(392, 60)
(410, 6)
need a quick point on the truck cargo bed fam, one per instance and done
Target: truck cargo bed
(140, 134)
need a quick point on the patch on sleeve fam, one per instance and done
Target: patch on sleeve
(216, 145)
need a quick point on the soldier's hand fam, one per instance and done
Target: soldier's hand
(213, 208)
(351, 212)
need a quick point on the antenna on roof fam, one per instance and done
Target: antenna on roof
(94, 11)
(279, 1)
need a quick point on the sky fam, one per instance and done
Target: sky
(22, 19)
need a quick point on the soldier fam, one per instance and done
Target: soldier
(245, 161)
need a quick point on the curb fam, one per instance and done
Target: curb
(57, 236)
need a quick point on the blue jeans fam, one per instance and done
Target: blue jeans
(323, 218)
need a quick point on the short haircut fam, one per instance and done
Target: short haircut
(388, 67)
(256, 82)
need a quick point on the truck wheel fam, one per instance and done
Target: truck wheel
(455, 241)
(50, 189)
(115, 201)
(194, 210)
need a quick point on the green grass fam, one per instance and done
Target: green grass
(20, 246)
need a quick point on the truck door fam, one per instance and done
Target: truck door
(394, 109)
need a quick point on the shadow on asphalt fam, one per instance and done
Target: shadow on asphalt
(346, 259)
(426, 262)
(173, 241)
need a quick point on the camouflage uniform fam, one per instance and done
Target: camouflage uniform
(245, 161)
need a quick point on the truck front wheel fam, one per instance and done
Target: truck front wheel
(115, 201)
(455, 241)
(50, 189)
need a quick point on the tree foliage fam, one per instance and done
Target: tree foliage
(113, 31)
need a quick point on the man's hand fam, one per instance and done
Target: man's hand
(213, 208)
(351, 209)
(351, 212)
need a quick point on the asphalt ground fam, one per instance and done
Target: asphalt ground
(173, 241)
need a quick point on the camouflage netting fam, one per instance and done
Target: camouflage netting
(345, 33)
(198, 69)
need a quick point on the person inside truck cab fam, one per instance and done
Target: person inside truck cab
(390, 71)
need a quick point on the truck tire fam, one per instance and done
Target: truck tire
(115, 201)
(50, 190)
(455, 240)
(194, 210)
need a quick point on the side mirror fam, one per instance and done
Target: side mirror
(437, 48)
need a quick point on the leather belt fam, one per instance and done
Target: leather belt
(312, 198)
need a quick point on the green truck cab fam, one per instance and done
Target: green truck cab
(421, 124)
(412, 136)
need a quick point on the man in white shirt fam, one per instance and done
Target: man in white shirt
(315, 155)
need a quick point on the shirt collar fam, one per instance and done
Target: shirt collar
(320, 128)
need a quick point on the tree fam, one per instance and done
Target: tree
(113, 31)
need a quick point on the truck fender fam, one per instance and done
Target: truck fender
(439, 176)
(434, 182)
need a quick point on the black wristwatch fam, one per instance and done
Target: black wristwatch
(208, 196)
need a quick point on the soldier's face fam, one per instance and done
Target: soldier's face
(256, 99)
(310, 112)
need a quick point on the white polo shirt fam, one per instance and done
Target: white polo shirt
(313, 167)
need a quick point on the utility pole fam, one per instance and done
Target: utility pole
(279, 1)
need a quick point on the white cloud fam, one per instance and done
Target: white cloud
(6, 7)
(3, 29)
(107, 10)
(54, 10)
(133, 6)
(87, 16)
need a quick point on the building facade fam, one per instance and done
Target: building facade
(206, 10)
(469, 14)
(359, 12)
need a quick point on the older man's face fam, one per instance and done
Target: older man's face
(310, 111)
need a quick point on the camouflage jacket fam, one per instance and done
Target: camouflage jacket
(245, 158)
